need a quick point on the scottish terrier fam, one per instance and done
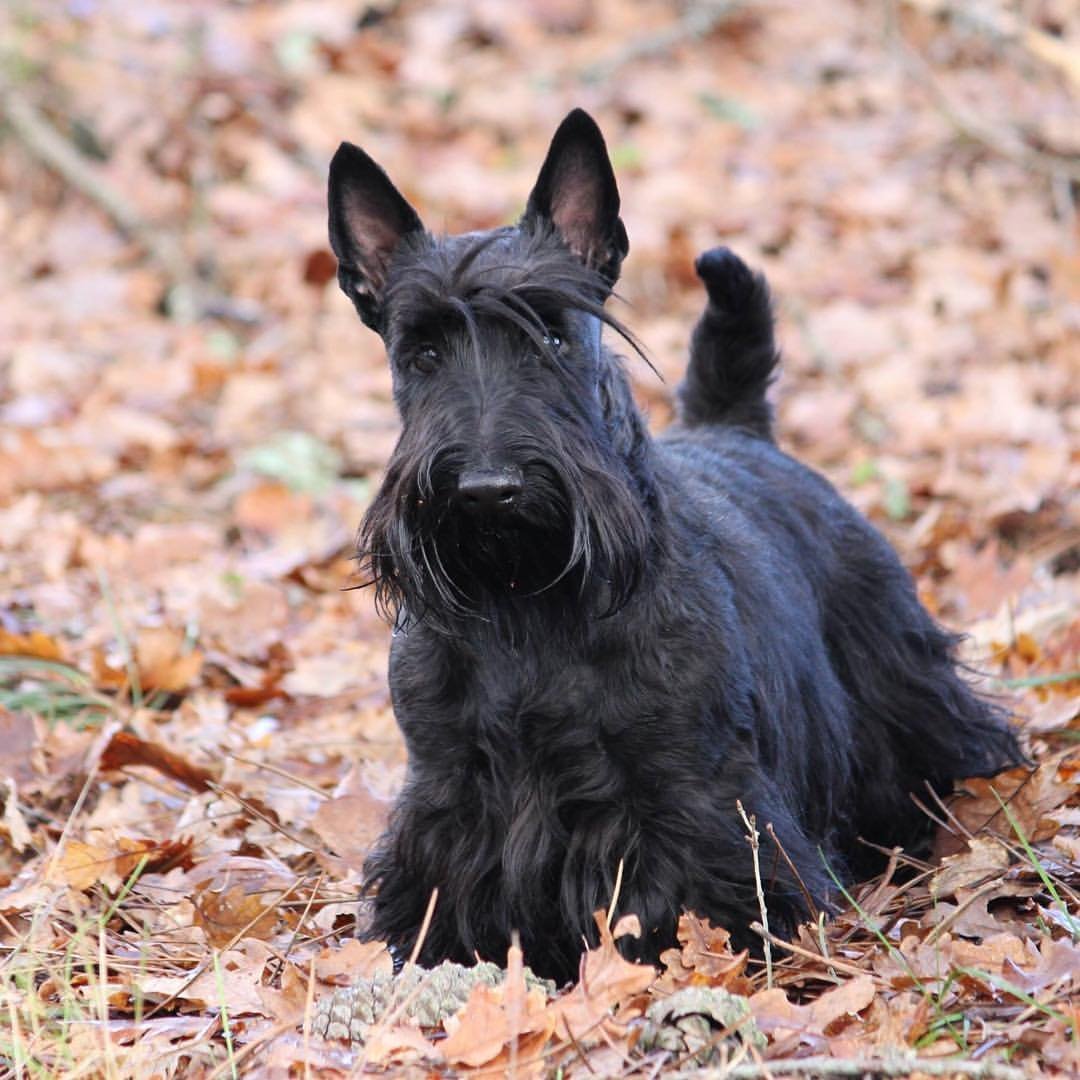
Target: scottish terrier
(605, 641)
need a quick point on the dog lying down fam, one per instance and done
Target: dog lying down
(605, 641)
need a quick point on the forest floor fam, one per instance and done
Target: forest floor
(196, 743)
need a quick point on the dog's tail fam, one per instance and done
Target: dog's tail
(732, 352)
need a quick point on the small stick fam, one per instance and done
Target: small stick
(798, 950)
(699, 20)
(188, 298)
(751, 829)
(900, 1065)
(615, 893)
(791, 866)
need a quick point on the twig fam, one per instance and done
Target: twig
(798, 950)
(1015, 150)
(615, 894)
(188, 297)
(811, 906)
(699, 20)
(1002, 25)
(752, 833)
(900, 1065)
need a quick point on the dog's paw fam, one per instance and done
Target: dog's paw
(729, 282)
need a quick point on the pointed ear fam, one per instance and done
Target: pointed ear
(368, 219)
(576, 193)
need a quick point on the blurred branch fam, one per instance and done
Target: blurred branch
(189, 298)
(1007, 145)
(699, 19)
(898, 1065)
(1006, 26)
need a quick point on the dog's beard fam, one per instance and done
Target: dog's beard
(574, 540)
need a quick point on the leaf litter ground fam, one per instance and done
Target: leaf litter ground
(196, 745)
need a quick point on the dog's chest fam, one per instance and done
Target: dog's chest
(537, 728)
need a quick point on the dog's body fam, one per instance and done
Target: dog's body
(604, 640)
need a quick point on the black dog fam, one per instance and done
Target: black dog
(604, 641)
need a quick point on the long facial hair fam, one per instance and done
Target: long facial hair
(581, 530)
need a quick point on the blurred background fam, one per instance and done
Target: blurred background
(192, 417)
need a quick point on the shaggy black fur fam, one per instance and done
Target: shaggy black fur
(604, 640)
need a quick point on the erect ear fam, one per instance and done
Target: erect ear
(369, 217)
(576, 193)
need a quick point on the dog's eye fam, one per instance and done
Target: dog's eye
(553, 341)
(426, 359)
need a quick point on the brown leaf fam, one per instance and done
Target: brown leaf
(125, 749)
(271, 508)
(36, 644)
(227, 915)
(495, 1016)
(1058, 967)
(349, 825)
(18, 738)
(707, 951)
(607, 979)
(397, 1044)
(353, 959)
(83, 865)
(287, 1005)
(235, 983)
(161, 663)
(1030, 795)
(775, 1014)
(984, 858)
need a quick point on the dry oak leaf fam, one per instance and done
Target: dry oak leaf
(36, 644)
(354, 960)
(985, 858)
(496, 1017)
(777, 1016)
(397, 1044)
(225, 915)
(18, 740)
(12, 822)
(936, 960)
(705, 958)
(1030, 794)
(125, 749)
(350, 824)
(1058, 966)
(607, 979)
(235, 984)
(83, 864)
(161, 663)
(287, 1005)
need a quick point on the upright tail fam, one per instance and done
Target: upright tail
(732, 352)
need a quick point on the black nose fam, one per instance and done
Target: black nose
(489, 490)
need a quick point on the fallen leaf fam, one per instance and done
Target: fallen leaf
(776, 1015)
(495, 1016)
(162, 663)
(226, 915)
(353, 959)
(18, 738)
(350, 825)
(606, 980)
(35, 644)
(984, 858)
(125, 749)
(1030, 794)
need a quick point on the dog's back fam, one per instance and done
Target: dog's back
(914, 719)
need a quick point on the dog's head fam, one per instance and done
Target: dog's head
(517, 474)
